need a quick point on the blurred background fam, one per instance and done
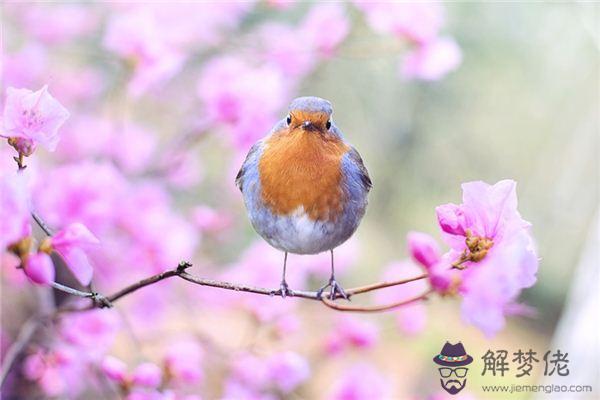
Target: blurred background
(165, 101)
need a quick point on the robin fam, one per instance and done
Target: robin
(305, 188)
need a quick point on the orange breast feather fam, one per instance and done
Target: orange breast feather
(302, 169)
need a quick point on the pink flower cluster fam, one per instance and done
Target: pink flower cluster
(491, 259)
(128, 194)
(155, 39)
(62, 367)
(256, 377)
(419, 23)
(182, 365)
(244, 96)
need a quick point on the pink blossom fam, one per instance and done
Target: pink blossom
(242, 98)
(33, 116)
(496, 250)
(25, 67)
(325, 27)
(250, 370)
(411, 319)
(415, 21)
(86, 136)
(490, 289)
(192, 25)
(9, 267)
(58, 23)
(14, 209)
(70, 243)
(132, 147)
(67, 195)
(288, 370)
(58, 372)
(185, 172)
(211, 220)
(423, 248)
(92, 331)
(488, 211)
(114, 369)
(147, 374)
(149, 394)
(136, 36)
(451, 219)
(432, 60)
(183, 360)
(235, 390)
(361, 381)
(39, 268)
(281, 48)
(77, 84)
(351, 332)
(146, 215)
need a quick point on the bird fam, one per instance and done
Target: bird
(305, 187)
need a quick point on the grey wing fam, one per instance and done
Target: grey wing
(250, 161)
(360, 169)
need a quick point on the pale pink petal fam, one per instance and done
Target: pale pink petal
(78, 263)
(75, 234)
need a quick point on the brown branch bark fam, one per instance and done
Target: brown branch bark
(180, 272)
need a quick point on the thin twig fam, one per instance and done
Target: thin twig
(149, 281)
(41, 223)
(14, 351)
(245, 288)
(386, 307)
(381, 285)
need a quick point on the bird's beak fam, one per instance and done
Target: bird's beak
(307, 125)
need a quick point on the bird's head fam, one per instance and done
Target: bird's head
(310, 114)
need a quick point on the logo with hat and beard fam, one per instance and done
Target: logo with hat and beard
(453, 372)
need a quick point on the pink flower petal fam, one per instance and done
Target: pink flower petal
(423, 248)
(114, 369)
(147, 374)
(39, 268)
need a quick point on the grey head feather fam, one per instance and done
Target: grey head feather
(311, 104)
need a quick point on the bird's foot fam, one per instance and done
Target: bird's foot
(335, 291)
(284, 290)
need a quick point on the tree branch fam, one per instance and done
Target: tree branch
(14, 351)
(180, 271)
(41, 223)
(386, 307)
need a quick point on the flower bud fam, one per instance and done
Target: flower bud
(423, 249)
(39, 268)
(451, 219)
(114, 369)
(147, 374)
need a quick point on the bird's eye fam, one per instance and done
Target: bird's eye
(289, 119)
(328, 124)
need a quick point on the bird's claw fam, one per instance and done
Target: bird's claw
(284, 290)
(335, 292)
